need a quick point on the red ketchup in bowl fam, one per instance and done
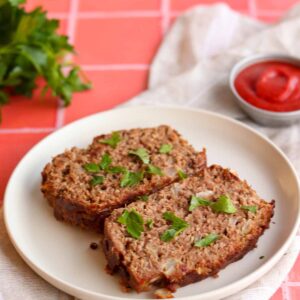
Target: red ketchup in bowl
(270, 85)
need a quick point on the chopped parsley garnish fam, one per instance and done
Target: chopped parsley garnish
(197, 201)
(223, 204)
(131, 178)
(181, 174)
(207, 240)
(143, 198)
(165, 148)
(113, 141)
(96, 180)
(251, 208)
(142, 154)
(116, 170)
(105, 162)
(133, 221)
(178, 225)
(154, 170)
(149, 223)
(92, 168)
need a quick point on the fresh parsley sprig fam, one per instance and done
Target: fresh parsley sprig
(30, 47)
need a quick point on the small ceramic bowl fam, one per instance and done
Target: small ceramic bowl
(264, 117)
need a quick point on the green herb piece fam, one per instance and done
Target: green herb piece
(97, 180)
(197, 201)
(149, 223)
(92, 168)
(165, 148)
(251, 208)
(123, 218)
(206, 241)
(116, 170)
(105, 162)
(154, 170)
(143, 198)
(262, 257)
(31, 48)
(178, 225)
(113, 141)
(142, 154)
(131, 178)
(223, 204)
(181, 174)
(133, 221)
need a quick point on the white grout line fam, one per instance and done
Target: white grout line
(74, 4)
(115, 67)
(290, 283)
(165, 15)
(26, 130)
(285, 291)
(252, 8)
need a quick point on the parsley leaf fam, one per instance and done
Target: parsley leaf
(113, 141)
(250, 208)
(142, 154)
(105, 162)
(116, 170)
(223, 204)
(133, 221)
(197, 201)
(165, 148)
(92, 168)
(206, 241)
(143, 198)
(97, 180)
(149, 223)
(181, 174)
(178, 225)
(123, 218)
(154, 170)
(131, 178)
(30, 47)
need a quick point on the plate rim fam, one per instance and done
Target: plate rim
(219, 292)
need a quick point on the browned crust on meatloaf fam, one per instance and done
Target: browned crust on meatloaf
(119, 246)
(65, 184)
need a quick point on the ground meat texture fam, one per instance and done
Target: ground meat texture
(66, 185)
(149, 262)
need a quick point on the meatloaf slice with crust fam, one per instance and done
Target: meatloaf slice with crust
(85, 185)
(217, 232)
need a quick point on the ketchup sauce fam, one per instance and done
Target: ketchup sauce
(270, 85)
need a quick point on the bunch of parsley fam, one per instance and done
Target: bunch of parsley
(30, 48)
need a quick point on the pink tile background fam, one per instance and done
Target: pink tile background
(116, 41)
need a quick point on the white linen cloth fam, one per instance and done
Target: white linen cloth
(191, 69)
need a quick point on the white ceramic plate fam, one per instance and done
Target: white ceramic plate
(60, 253)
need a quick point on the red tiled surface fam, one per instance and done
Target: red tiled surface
(119, 5)
(185, 4)
(13, 148)
(116, 41)
(274, 5)
(109, 89)
(294, 292)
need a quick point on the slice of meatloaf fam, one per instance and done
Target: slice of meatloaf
(214, 234)
(85, 185)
